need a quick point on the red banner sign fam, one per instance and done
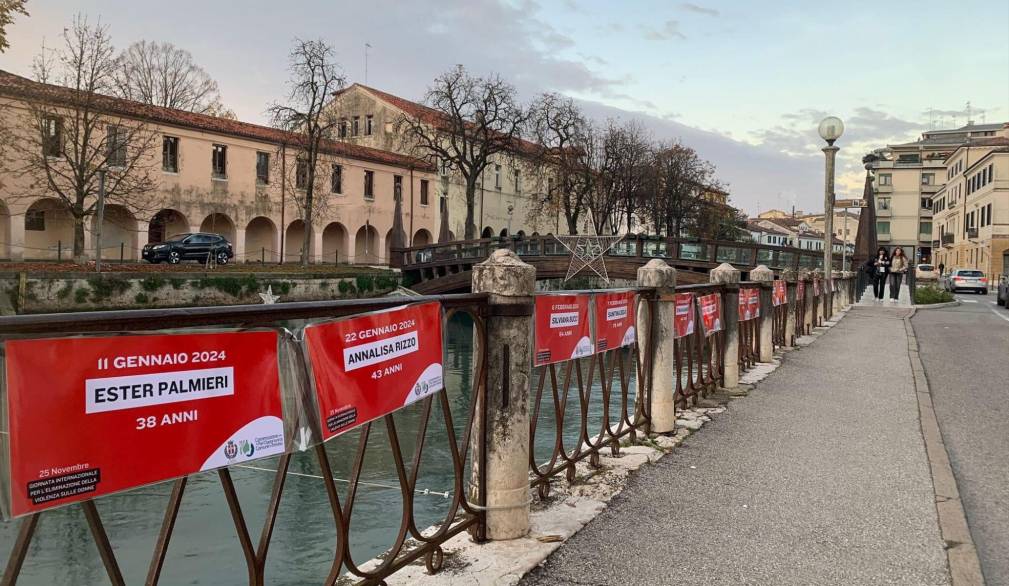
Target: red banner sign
(711, 313)
(368, 366)
(749, 304)
(779, 293)
(91, 416)
(683, 318)
(562, 328)
(816, 287)
(614, 320)
(800, 290)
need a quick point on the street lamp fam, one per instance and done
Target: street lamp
(831, 128)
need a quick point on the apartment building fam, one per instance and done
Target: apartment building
(845, 224)
(506, 193)
(907, 178)
(222, 176)
(794, 232)
(971, 211)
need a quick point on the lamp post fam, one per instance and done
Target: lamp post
(830, 130)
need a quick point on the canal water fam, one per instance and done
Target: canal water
(205, 549)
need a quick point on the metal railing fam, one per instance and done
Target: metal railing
(412, 542)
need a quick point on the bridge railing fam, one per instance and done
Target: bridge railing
(683, 250)
(582, 407)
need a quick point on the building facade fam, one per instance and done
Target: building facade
(240, 180)
(506, 194)
(971, 211)
(907, 178)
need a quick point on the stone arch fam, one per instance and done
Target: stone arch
(49, 230)
(388, 247)
(165, 224)
(451, 236)
(294, 239)
(421, 238)
(521, 234)
(261, 240)
(488, 232)
(334, 243)
(504, 233)
(218, 223)
(366, 245)
(119, 232)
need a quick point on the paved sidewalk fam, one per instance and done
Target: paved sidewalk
(818, 477)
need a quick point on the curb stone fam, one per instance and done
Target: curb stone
(961, 554)
(938, 305)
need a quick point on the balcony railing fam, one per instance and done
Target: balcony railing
(947, 239)
(971, 233)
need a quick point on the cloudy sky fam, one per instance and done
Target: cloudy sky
(743, 83)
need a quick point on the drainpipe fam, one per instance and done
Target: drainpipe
(283, 198)
(410, 239)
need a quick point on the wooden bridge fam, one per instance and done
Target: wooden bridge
(445, 267)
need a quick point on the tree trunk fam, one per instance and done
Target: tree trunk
(572, 219)
(470, 209)
(80, 255)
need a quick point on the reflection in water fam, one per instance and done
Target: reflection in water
(205, 549)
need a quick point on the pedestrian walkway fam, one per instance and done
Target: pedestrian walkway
(819, 476)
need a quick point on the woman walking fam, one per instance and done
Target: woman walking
(898, 266)
(880, 268)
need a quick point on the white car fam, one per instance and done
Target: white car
(926, 272)
(960, 279)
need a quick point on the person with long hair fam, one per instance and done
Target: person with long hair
(898, 266)
(880, 268)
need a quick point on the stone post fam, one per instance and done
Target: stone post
(806, 276)
(789, 276)
(765, 277)
(846, 288)
(658, 324)
(728, 276)
(820, 305)
(510, 282)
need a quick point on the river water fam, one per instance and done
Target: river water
(204, 547)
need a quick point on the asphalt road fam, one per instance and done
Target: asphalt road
(965, 351)
(818, 477)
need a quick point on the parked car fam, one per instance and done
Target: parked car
(1002, 297)
(926, 272)
(959, 279)
(199, 246)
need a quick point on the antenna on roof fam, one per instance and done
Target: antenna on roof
(367, 46)
(969, 121)
(931, 118)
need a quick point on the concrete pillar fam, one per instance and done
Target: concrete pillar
(789, 276)
(315, 255)
(238, 246)
(820, 306)
(143, 236)
(765, 277)
(657, 326)
(17, 238)
(728, 276)
(806, 276)
(836, 298)
(509, 368)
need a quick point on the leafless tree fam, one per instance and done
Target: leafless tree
(469, 121)
(9, 8)
(61, 145)
(567, 162)
(164, 75)
(315, 76)
(679, 177)
(626, 156)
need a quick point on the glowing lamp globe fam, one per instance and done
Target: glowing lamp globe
(831, 128)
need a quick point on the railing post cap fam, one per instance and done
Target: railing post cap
(656, 273)
(761, 273)
(836, 274)
(788, 275)
(724, 274)
(504, 273)
(817, 274)
(805, 274)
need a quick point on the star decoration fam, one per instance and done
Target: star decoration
(269, 298)
(588, 250)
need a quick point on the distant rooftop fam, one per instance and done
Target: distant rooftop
(952, 136)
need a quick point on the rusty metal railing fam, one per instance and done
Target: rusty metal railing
(412, 541)
(698, 357)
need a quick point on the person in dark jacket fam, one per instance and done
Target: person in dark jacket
(880, 269)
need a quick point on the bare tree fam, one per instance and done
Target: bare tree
(626, 156)
(164, 75)
(315, 76)
(61, 145)
(471, 119)
(567, 161)
(9, 8)
(679, 176)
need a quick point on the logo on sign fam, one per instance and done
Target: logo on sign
(230, 450)
(247, 448)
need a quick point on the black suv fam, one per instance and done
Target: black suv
(199, 246)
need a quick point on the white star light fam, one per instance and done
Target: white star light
(269, 298)
(588, 250)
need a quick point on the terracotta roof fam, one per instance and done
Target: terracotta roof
(17, 87)
(429, 115)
